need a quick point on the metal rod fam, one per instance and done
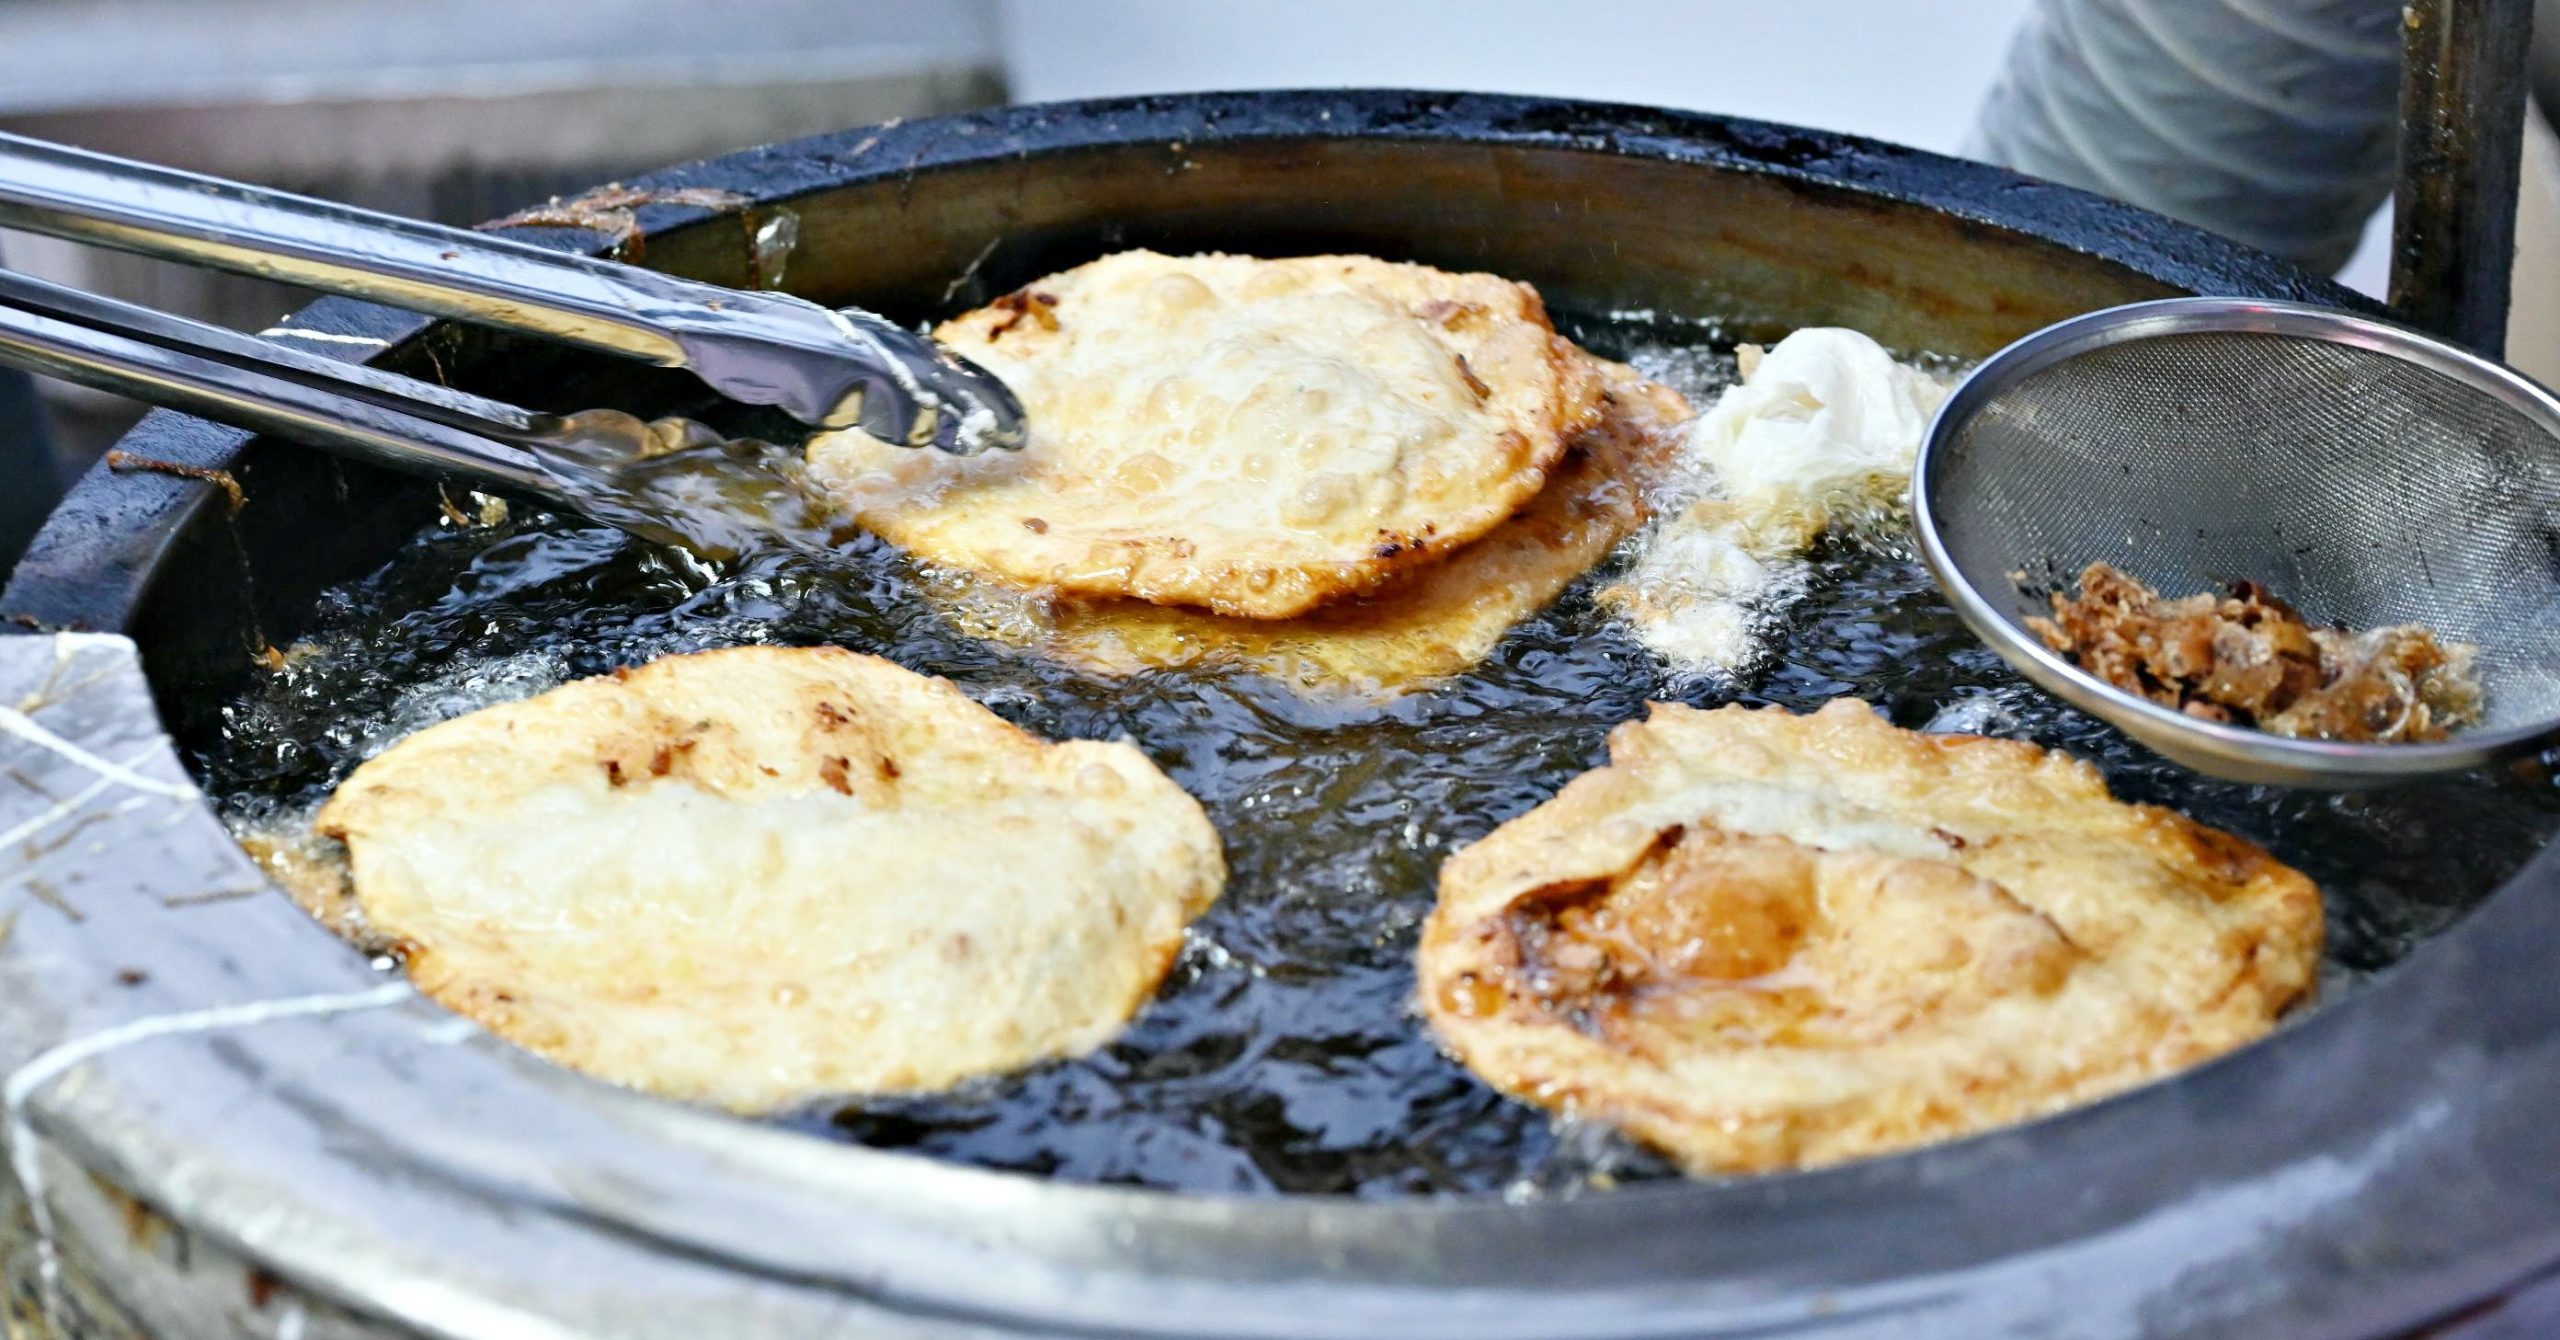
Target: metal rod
(825, 368)
(570, 445)
(670, 481)
(407, 395)
(2462, 108)
(250, 398)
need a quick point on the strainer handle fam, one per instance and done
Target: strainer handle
(2462, 110)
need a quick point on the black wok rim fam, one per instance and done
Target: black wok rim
(2393, 1151)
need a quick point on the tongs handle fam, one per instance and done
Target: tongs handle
(671, 481)
(825, 368)
(170, 361)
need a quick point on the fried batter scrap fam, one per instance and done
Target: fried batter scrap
(1820, 432)
(613, 210)
(1758, 940)
(233, 496)
(2249, 659)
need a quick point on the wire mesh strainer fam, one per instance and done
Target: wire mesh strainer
(2368, 474)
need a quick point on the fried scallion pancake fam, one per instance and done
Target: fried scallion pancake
(1758, 940)
(754, 876)
(1254, 437)
(1436, 622)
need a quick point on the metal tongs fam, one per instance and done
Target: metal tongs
(826, 368)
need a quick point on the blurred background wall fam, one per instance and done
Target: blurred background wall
(461, 110)
(1893, 69)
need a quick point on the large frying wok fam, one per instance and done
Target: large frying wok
(234, 1131)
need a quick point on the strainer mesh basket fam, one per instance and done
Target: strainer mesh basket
(2365, 488)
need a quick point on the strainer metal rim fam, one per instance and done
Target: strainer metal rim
(2210, 746)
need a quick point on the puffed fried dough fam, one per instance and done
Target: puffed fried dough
(754, 876)
(1429, 624)
(1759, 940)
(1255, 437)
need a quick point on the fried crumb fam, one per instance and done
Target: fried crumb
(2246, 658)
(125, 462)
(1449, 313)
(613, 210)
(1474, 383)
(1020, 305)
(279, 661)
(486, 510)
(46, 894)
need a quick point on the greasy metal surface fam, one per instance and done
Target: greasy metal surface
(2462, 108)
(2364, 1170)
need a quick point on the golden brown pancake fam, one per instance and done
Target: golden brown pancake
(1759, 940)
(754, 876)
(1255, 437)
(1435, 622)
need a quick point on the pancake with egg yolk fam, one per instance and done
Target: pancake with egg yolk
(1758, 940)
(1253, 437)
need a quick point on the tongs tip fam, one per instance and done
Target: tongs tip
(909, 390)
(988, 413)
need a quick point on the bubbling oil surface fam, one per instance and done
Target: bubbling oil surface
(1283, 1054)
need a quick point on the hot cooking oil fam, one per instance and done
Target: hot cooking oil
(1283, 1054)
